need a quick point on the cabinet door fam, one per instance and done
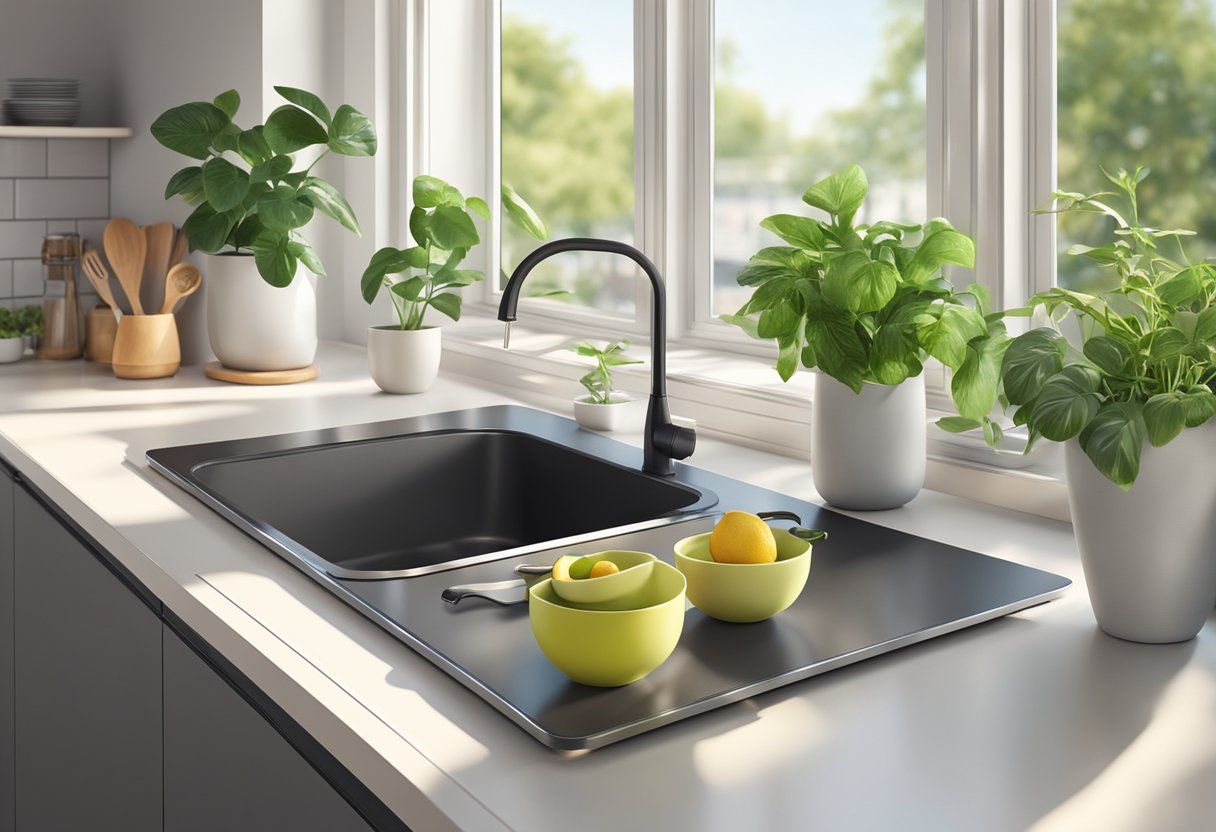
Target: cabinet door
(227, 768)
(88, 688)
(7, 771)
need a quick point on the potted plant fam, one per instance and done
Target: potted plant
(866, 305)
(251, 201)
(1134, 407)
(603, 407)
(404, 357)
(17, 330)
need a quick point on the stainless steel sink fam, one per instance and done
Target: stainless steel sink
(403, 500)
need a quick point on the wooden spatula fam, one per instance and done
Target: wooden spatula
(126, 248)
(156, 264)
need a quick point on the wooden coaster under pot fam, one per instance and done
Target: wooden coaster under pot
(216, 370)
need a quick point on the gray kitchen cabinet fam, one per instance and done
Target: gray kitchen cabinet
(227, 768)
(7, 751)
(88, 687)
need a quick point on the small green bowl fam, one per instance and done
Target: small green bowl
(610, 648)
(618, 591)
(742, 593)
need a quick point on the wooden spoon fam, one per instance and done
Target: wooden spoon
(126, 248)
(99, 278)
(156, 263)
(179, 248)
(181, 281)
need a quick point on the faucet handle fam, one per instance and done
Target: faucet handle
(675, 441)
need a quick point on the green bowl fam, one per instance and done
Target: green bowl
(619, 591)
(742, 593)
(610, 648)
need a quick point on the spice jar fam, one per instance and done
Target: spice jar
(62, 330)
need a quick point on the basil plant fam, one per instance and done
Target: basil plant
(599, 383)
(428, 274)
(1145, 370)
(247, 191)
(867, 303)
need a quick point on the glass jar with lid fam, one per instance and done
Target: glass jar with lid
(62, 331)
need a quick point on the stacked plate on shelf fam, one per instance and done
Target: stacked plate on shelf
(48, 102)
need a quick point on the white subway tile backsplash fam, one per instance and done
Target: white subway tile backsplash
(27, 278)
(78, 157)
(6, 278)
(62, 198)
(61, 227)
(23, 157)
(91, 231)
(6, 199)
(21, 239)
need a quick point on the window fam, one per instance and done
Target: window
(567, 141)
(1136, 85)
(833, 83)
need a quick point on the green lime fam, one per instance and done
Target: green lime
(581, 568)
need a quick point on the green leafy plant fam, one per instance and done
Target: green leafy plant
(868, 303)
(1145, 369)
(248, 194)
(23, 322)
(599, 381)
(427, 275)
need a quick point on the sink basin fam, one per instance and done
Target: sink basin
(411, 503)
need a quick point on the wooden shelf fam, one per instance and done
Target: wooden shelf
(13, 131)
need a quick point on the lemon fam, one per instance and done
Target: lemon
(740, 537)
(604, 567)
(561, 569)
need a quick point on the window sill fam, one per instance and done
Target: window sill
(740, 399)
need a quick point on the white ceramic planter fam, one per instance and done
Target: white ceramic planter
(1149, 554)
(605, 417)
(255, 326)
(404, 361)
(11, 349)
(868, 449)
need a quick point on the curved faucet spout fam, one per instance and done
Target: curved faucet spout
(664, 441)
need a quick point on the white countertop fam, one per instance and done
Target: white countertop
(1037, 720)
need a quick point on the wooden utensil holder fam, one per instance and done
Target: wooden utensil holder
(146, 346)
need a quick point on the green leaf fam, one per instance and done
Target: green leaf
(207, 230)
(751, 326)
(774, 262)
(416, 257)
(289, 129)
(855, 282)
(1165, 343)
(307, 100)
(457, 277)
(1031, 359)
(840, 194)
(839, 352)
(190, 128)
(409, 289)
(1164, 417)
(1067, 403)
(352, 133)
(253, 147)
(275, 167)
(1182, 289)
(945, 335)
(1113, 441)
(957, 424)
(1199, 405)
(450, 227)
(789, 348)
(1109, 354)
(447, 303)
(306, 254)
(387, 260)
(478, 206)
(283, 209)
(224, 184)
(246, 232)
(431, 192)
(522, 214)
(326, 199)
(186, 180)
(777, 321)
(802, 232)
(975, 383)
(228, 102)
(1205, 326)
(420, 222)
(272, 254)
(944, 246)
(889, 354)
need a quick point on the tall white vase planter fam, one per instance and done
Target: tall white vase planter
(868, 449)
(404, 360)
(1149, 554)
(255, 326)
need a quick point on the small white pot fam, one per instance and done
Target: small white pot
(606, 417)
(404, 360)
(255, 326)
(868, 449)
(11, 349)
(1149, 554)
